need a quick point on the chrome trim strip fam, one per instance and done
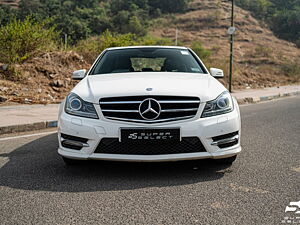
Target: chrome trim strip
(121, 110)
(150, 121)
(119, 102)
(179, 110)
(179, 101)
(226, 140)
(75, 143)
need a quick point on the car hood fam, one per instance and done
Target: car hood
(94, 87)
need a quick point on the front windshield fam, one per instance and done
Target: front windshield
(147, 60)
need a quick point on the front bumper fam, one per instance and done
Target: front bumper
(94, 130)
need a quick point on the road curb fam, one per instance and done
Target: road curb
(251, 100)
(53, 123)
(28, 127)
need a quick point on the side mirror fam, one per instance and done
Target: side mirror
(217, 73)
(78, 74)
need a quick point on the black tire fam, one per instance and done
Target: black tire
(228, 160)
(70, 162)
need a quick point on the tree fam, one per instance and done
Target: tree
(169, 6)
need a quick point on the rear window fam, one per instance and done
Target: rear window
(147, 60)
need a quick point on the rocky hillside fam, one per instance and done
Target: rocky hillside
(43, 79)
(260, 58)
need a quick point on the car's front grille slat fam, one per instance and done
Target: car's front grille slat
(176, 102)
(179, 110)
(151, 121)
(171, 108)
(119, 110)
(119, 102)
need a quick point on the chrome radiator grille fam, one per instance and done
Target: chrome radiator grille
(149, 109)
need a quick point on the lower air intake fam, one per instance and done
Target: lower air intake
(113, 146)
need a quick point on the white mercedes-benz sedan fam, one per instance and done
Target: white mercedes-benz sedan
(149, 103)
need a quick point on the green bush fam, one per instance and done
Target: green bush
(298, 43)
(291, 69)
(150, 40)
(200, 50)
(90, 48)
(262, 51)
(20, 40)
(135, 26)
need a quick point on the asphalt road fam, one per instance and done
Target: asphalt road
(37, 188)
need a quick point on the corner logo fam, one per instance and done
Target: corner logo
(149, 109)
(293, 210)
(293, 207)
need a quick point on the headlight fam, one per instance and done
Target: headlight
(222, 104)
(77, 107)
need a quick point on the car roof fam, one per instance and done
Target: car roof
(148, 46)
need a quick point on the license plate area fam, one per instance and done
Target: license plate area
(146, 135)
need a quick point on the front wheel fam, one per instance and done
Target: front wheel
(228, 160)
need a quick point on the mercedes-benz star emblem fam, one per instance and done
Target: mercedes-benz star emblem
(149, 109)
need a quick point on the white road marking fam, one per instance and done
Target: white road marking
(28, 135)
(3, 161)
(296, 169)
